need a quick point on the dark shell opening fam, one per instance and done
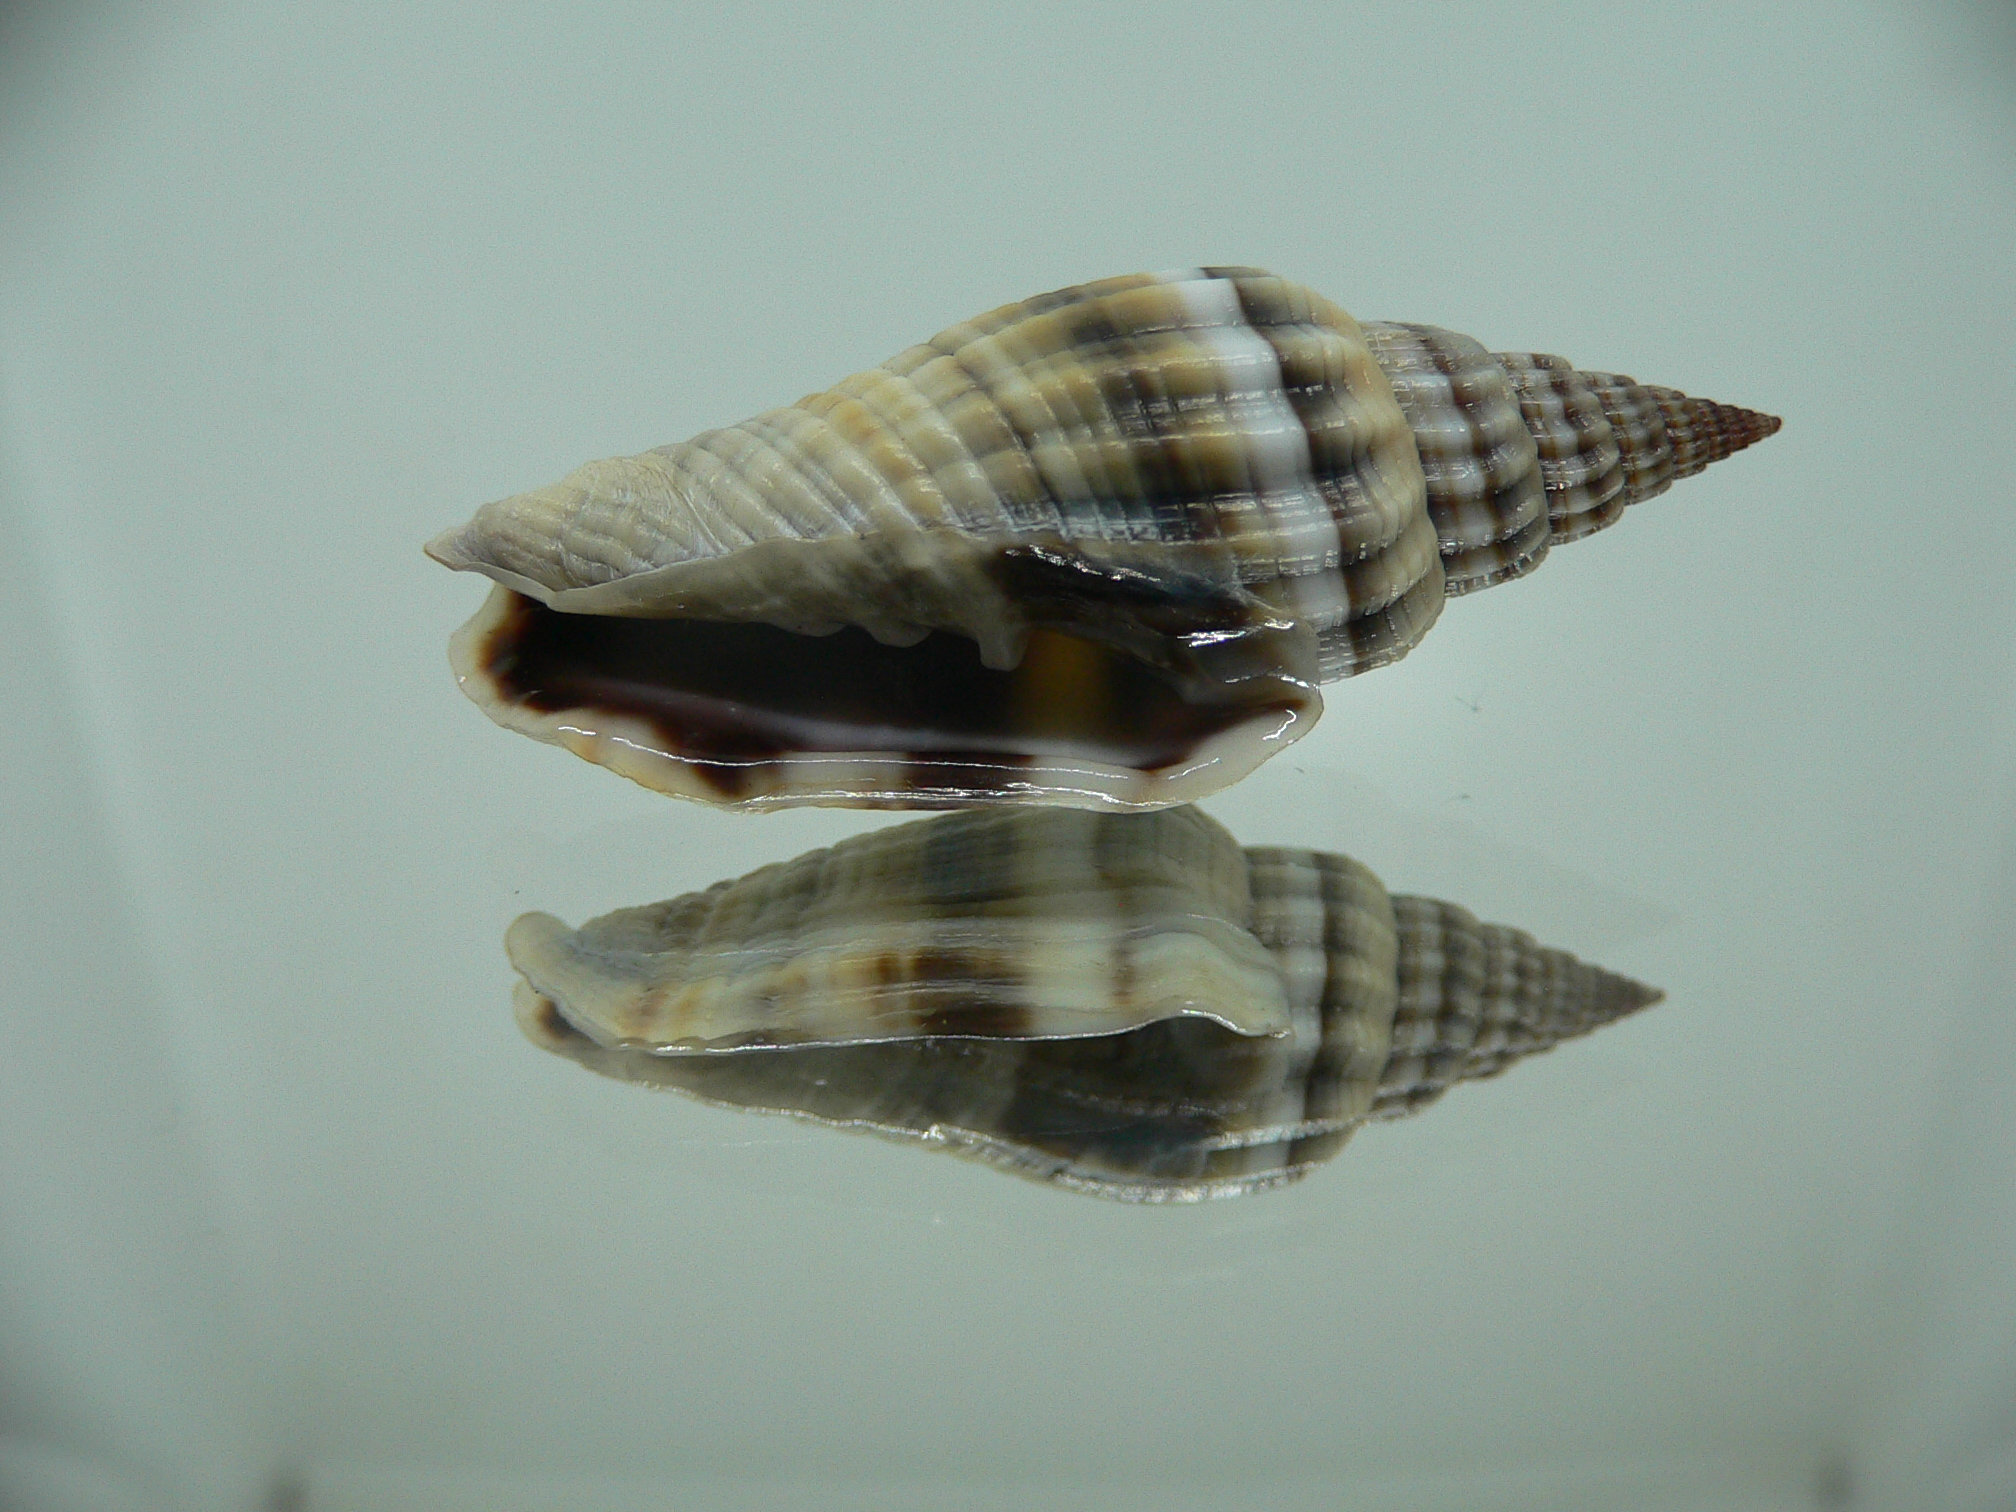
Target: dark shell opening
(726, 697)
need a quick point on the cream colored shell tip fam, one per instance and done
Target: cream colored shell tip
(1097, 549)
(1127, 1005)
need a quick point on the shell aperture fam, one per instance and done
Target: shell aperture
(1098, 548)
(1126, 1005)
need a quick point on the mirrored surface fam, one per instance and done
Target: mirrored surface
(293, 1217)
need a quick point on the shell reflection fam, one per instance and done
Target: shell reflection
(1127, 1005)
(1098, 548)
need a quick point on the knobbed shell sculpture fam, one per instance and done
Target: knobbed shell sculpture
(1123, 1004)
(1099, 548)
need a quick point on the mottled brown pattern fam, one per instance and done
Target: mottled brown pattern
(1482, 468)
(1384, 1002)
(1580, 463)
(1637, 420)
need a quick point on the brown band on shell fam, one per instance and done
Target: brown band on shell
(1636, 419)
(1361, 644)
(1480, 462)
(1368, 595)
(1580, 464)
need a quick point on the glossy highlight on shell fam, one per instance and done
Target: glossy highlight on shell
(1099, 549)
(1125, 1005)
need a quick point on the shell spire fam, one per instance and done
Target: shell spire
(1477, 997)
(1522, 451)
(1127, 1005)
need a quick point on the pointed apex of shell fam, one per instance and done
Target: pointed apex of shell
(1582, 998)
(1761, 425)
(1477, 998)
(1662, 435)
(1617, 997)
(1716, 431)
(447, 549)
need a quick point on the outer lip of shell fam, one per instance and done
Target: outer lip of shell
(1200, 979)
(1002, 925)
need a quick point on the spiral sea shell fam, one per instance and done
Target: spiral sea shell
(1098, 548)
(1124, 1004)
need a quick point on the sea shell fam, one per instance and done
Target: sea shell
(1097, 548)
(1123, 1004)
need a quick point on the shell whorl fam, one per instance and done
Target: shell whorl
(1214, 473)
(1522, 451)
(1043, 946)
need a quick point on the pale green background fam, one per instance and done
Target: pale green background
(289, 1215)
